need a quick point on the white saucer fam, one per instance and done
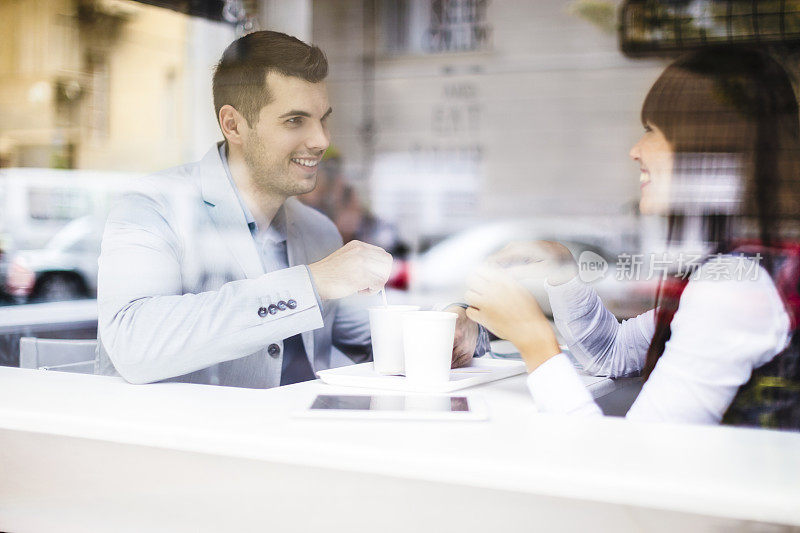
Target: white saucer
(482, 370)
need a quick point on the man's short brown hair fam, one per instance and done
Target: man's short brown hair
(240, 77)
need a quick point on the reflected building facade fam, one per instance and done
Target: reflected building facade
(449, 113)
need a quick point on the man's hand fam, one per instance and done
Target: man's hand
(466, 337)
(355, 267)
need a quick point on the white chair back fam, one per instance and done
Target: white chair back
(57, 354)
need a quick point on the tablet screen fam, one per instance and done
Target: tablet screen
(343, 402)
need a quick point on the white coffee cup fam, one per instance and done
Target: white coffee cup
(428, 346)
(387, 337)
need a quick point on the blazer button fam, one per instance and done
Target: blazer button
(282, 305)
(291, 304)
(262, 312)
(273, 350)
(272, 309)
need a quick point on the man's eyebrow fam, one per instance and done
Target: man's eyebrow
(299, 113)
(296, 113)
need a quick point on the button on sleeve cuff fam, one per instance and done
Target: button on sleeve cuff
(291, 287)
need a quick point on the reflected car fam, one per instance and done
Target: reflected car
(439, 275)
(64, 269)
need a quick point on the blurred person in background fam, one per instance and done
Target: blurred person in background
(338, 200)
(719, 158)
(212, 272)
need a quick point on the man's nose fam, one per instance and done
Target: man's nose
(319, 139)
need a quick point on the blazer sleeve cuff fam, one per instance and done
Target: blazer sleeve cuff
(286, 293)
(314, 288)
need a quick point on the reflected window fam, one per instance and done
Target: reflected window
(57, 203)
(435, 26)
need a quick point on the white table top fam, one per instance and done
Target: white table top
(713, 471)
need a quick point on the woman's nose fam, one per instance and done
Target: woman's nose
(635, 152)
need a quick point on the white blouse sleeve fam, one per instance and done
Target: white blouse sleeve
(602, 345)
(722, 330)
(556, 388)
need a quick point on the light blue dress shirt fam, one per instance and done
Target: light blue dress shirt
(271, 245)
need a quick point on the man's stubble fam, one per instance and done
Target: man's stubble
(269, 176)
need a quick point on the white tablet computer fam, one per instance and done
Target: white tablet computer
(397, 407)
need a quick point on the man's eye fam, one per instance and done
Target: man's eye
(295, 121)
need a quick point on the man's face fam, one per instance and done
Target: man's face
(286, 145)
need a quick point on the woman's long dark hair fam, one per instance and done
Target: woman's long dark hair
(738, 103)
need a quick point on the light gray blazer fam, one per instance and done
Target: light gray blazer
(181, 284)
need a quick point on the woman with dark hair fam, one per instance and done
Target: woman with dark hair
(718, 160)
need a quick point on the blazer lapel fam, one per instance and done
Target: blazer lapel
(227, 214)
(297, 253)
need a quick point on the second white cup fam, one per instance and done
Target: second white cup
(428, 346)
(386, 327)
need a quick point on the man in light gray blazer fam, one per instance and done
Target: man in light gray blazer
(212, 272)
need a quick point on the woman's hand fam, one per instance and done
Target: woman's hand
(536, 260)
(508, 310)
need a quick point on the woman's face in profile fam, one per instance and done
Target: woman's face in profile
(655, 156)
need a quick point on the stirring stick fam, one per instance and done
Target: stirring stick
(383, 295)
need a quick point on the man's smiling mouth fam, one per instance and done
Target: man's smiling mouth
(306, 162)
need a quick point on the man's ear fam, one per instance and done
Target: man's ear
(234, 126)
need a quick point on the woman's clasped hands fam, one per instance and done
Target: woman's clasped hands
(503, 305)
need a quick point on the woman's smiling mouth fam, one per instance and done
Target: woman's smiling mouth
(644, 177)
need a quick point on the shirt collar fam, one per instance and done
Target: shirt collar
(277, 228)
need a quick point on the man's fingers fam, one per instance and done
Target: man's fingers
(373, 276)
(461, 360)
(371, 250)
(368, 246)
(378, 265)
